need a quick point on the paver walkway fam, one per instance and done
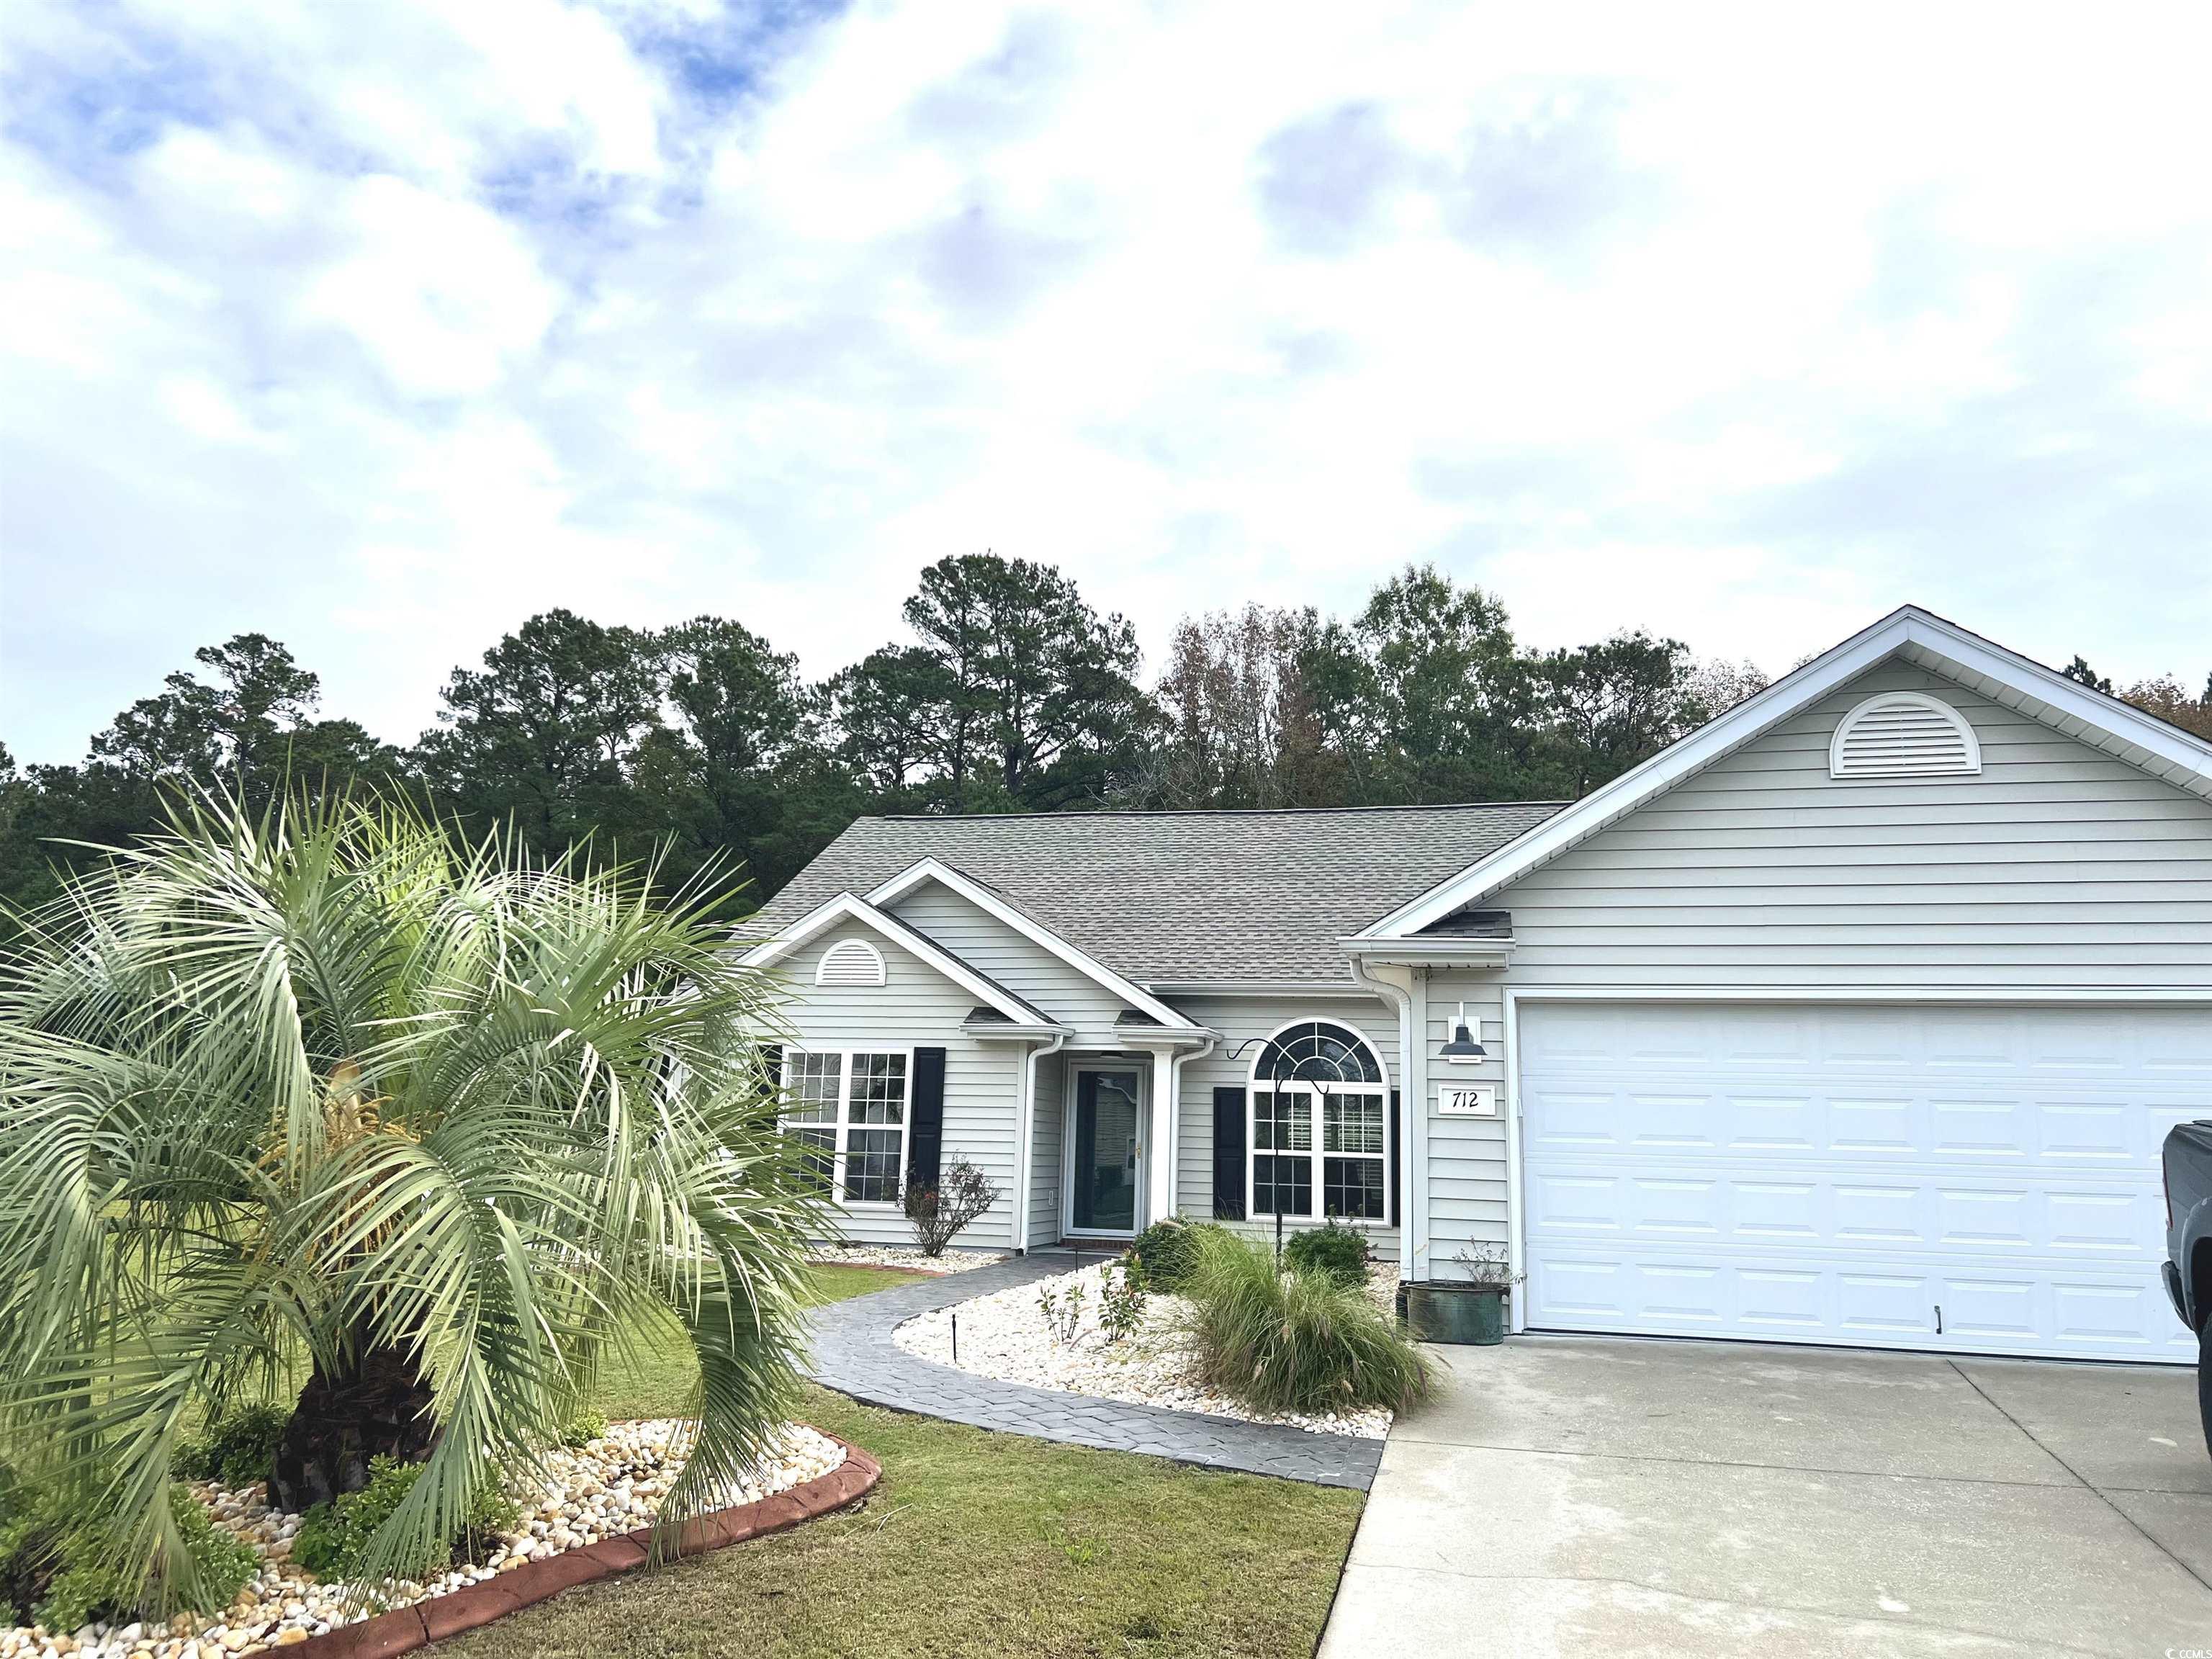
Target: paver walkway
(853, 1353)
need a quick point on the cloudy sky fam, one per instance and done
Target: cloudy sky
(379, 327)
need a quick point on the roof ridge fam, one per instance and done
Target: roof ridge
(1207, 812)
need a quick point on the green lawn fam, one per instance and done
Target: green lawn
(974, 1544)
(653, 1376)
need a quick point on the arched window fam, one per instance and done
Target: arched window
(1903, 734)
(850, 962)
(1321, 1125)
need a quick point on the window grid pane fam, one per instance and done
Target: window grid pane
(1283, 1123)
(1352, 1187)
(878, 1088)
(819, 1158)
(815, 1081)
(1282, 1186)
(871, 1165)
(1352, 1124)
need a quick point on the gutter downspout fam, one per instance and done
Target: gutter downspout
(1174, 1118)
(1412, 1092)
(1024, 1125)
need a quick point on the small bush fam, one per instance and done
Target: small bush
(50, 1573)
(1295, 1341)
(238, 1449)
(1120, 1300)
(939, 1212)
(583, 1428)
(1334, 1249)
(1063, 1312)
(333, 1539)
(1166, 1252)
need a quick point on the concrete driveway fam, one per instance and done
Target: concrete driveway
(1598, 1496)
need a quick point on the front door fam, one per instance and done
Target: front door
(1104, 1165)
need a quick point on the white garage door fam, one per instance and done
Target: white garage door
(1982, 1180)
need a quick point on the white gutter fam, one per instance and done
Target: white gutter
(1024, 1124)
(1422, 950)
(1413, 1104)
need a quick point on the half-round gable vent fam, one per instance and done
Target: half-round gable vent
(850, 962)
(1903, 734)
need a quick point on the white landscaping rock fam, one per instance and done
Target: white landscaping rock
(954, 1260)
(612, 1485)
(1005, 1335)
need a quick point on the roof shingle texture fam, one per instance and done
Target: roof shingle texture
(1181, 897)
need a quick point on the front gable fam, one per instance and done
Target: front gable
(1910, 637)
(1069, 996)
(2046, 861)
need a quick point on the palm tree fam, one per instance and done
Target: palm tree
(328, 1089)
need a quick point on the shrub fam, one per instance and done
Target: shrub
(334, 1539)
(583, 1428)
(54, 1571)
(1295, 1341)
(1166, 1252)
(1063, 1312)
(238, 1448)
(940, 1212)
(1120, 1300)
(1334, 1249)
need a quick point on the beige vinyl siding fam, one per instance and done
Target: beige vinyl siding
(917, 1007)
(1238, 1019)
(2057, 866)
(1466, 1179)
(1069, 996)
(1050, 1110)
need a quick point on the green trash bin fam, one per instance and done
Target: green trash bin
(1468, 1313)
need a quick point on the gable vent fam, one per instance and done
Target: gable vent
(850, 962)
(1903, 734)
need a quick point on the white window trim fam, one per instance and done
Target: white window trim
(843, 1122)
(1254, 1084)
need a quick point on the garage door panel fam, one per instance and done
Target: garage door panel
(1773, 1212)
(1811, 1206)
(1881, 1307)
(1562, 1202)
(1985, 1309)
(1857, 1174)
(2095, 1132)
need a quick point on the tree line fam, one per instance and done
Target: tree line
(1013, 694)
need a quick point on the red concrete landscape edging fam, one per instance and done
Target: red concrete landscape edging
(404, 1629)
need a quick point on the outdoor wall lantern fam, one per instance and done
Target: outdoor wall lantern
(1462, 1049)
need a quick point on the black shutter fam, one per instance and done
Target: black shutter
(1228, 1154)
(925, 1139)
(1390, 1139)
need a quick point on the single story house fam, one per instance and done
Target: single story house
(1855, 1017)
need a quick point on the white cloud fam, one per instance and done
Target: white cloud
(380, 329)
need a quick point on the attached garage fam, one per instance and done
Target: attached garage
(1979, 1179)
(1858, 1016)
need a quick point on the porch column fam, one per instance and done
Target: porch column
(1159, 1139)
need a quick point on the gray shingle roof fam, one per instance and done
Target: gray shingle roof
(1181, 897)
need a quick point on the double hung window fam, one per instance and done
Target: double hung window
(849, 1108)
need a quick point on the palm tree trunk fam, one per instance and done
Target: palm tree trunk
(378, 1404)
